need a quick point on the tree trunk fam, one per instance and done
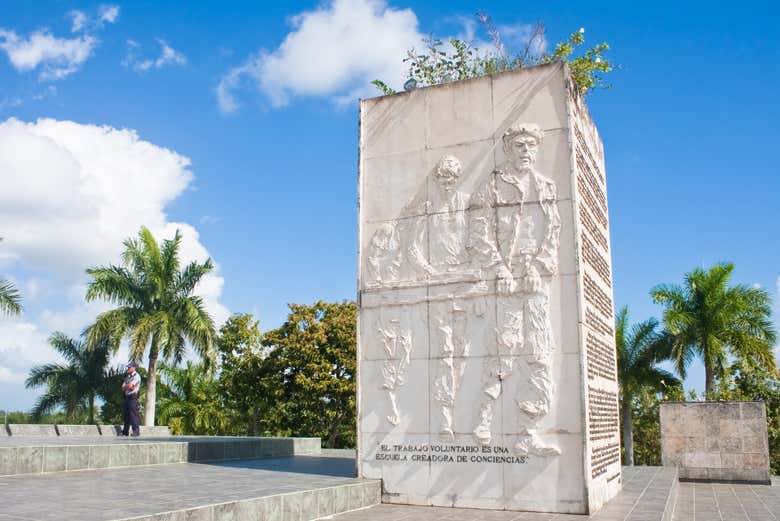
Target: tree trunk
(628, 431)
(91, 419)
(151, 387)
(709, 380)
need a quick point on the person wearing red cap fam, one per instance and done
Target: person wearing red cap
(130, 387)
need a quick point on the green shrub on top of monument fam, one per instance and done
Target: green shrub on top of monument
(458, 59)
(710, 319)
(156, 308)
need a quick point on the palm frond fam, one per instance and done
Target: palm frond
(10, 299)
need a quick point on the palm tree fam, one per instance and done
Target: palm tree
(10, 300)
(190, 396)
(639, 349)
(712, 320)
(157, 310)
(73, 386)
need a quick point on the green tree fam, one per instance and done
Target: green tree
(190, 400)
(310, 373)
(242, 364)
(10, 300)
(156, 310)
(712, 320)
(74, 386)
(639, 348)
(457, 59)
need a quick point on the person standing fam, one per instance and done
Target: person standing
(130, 387)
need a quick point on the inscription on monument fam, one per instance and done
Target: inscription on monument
(449, 453)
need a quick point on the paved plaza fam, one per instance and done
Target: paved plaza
(101, 495)
(301, 488)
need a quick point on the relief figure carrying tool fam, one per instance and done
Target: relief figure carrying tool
(397, 344)
(514, 230)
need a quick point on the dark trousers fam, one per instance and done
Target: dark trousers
(130, 411)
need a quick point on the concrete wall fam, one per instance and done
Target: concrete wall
(716, 440)
(486, 358)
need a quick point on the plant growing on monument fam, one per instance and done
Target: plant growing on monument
(309, 373)
(74, 386)
(10, 299)
(456, 59)
(712, 320)
(157, 310)
(639, 348)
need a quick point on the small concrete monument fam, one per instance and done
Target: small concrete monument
(487, 368)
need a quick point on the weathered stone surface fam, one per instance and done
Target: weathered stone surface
(487, 368)
(24, 429)
(724, 441)
(78, 430)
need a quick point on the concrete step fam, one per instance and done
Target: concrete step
(37, 455)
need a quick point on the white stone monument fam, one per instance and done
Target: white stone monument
(486, 366)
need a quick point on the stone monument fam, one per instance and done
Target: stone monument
(486, 366)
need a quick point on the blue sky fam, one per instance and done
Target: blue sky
(261, 100)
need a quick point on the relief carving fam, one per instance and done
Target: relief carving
(397, 344)
(508, 230)
(518, 204)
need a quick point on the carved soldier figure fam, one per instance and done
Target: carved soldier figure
(444, 229)
(513, 235)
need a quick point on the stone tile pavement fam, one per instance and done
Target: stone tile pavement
(727, 502)
(100, 495)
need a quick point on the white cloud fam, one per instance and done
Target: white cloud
(168, 56)
(56, 57)
(108, 13)
(79, 190)
(78, 21)
(10, 103)
(334, 51)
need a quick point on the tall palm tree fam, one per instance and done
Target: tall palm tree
(190, 396)
(156, 309)
(74, 386)
(10, 300)
(639, 348)
(712, 320)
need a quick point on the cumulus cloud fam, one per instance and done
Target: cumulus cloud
(79, 190)
(334, 50)
(168, 56)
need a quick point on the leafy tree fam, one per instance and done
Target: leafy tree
(457, 59)
(310, 373)
(190, 400)
(712, 320)
(156, 310)
(639, 348)
(10, 299)
(242, 357)
(73, 386)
